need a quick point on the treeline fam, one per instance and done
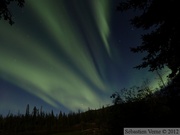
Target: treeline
(38, 122)
(141, 107)
(133, 107)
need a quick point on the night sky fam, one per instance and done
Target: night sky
(67, 55)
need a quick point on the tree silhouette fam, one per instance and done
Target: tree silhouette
(161, 44)
(5, 12)
(27, 110)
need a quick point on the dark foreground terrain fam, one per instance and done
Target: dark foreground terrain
(146, 109)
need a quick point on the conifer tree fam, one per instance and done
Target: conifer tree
(162, 44)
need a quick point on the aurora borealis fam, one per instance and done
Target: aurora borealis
(65, 54)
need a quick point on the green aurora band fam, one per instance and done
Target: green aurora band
(53, 61)
(29, 64)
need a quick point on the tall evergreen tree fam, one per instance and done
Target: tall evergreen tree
(162, 43)
(35, 112)
(27, 110)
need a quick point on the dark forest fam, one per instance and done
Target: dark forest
(137, 106)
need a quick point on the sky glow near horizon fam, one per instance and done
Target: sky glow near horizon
(62, 53)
